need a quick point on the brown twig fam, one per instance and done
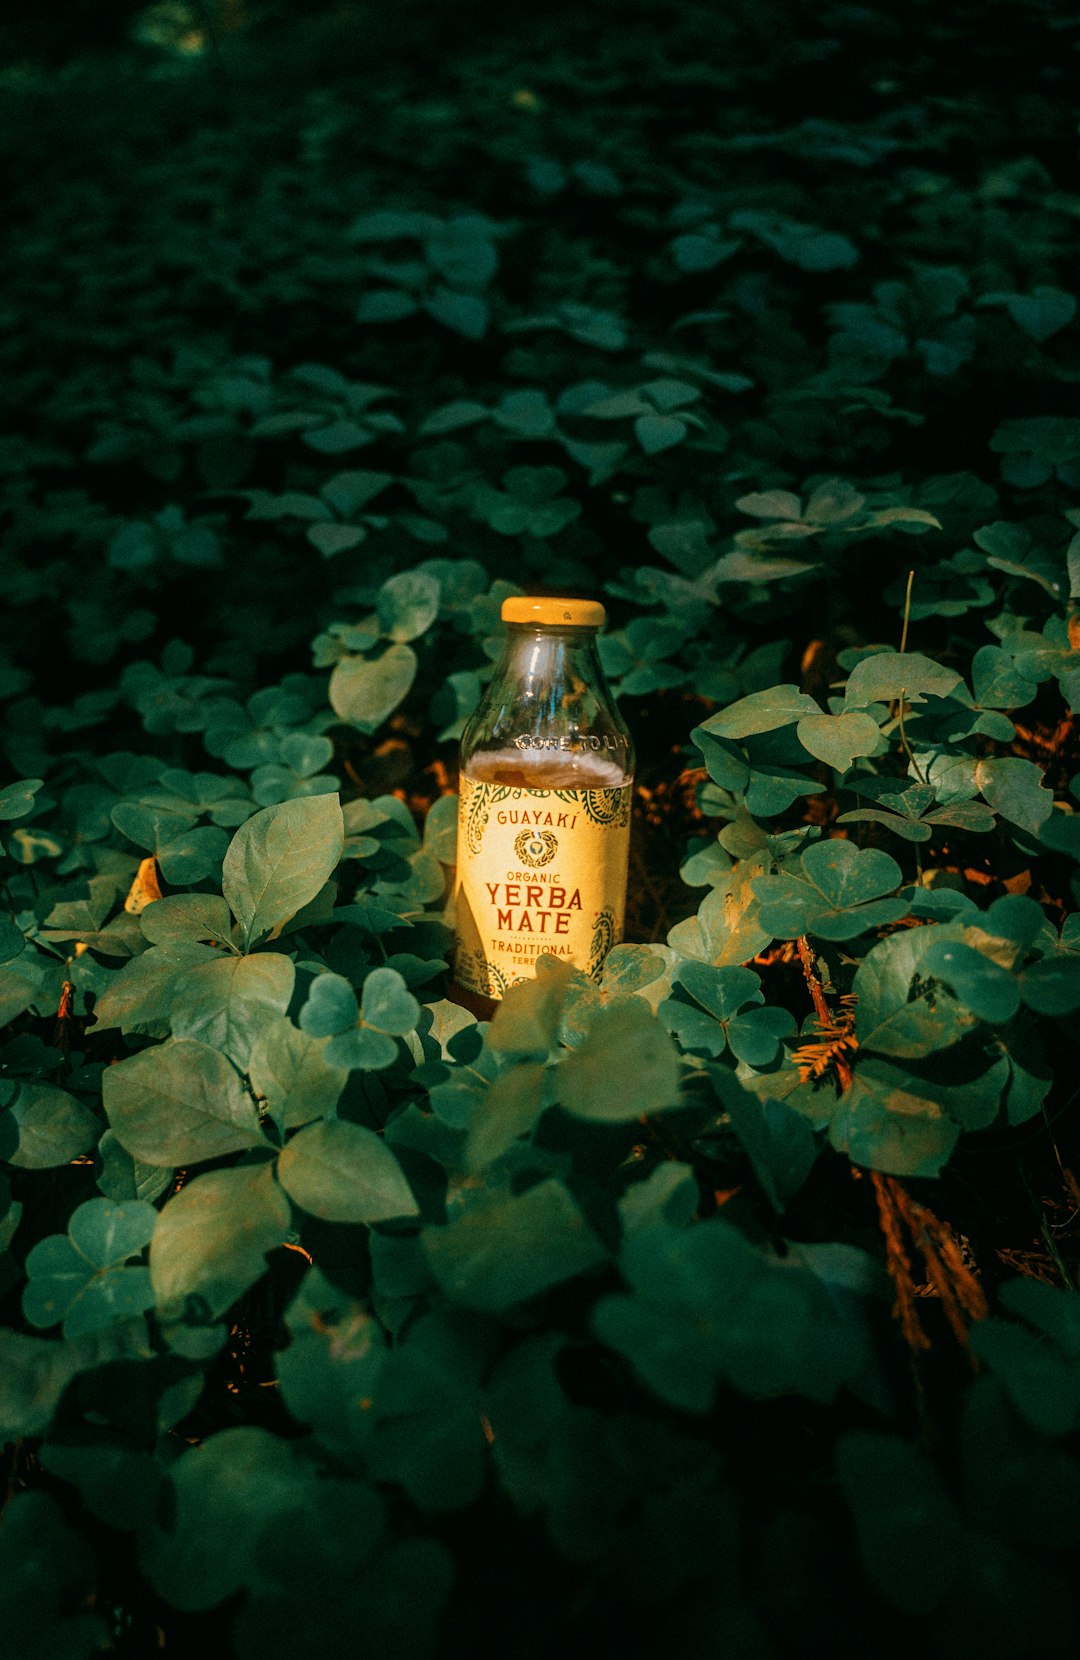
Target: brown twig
(837, 1035)
(898, 1263)
(949, 1278)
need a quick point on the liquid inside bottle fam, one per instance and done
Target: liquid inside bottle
(544, 817)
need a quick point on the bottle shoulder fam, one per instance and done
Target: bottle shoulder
(548, 703)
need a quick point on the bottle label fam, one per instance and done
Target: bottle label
(539, 871)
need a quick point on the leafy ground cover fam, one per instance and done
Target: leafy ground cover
(729, 1304)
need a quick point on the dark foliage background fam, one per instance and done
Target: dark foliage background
(728, 1306)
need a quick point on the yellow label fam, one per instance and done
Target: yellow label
(539, 871)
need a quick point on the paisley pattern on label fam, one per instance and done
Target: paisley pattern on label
(539, 871)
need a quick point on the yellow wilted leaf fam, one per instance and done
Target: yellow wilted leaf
(145, 888)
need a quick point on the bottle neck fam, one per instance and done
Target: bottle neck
(551, 665)
(548, 701)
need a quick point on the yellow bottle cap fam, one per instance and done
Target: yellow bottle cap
(560, 613)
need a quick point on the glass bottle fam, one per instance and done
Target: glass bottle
(547, 766)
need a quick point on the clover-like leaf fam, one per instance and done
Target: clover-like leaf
(1015, 789)
(80, 1277)
(625, 1066)
(886, 675)
(900, 1010)
(762, 712)
(224, 1497)
(408, 604)
(838, 739)
(365, 691)
(981, 984)
(331, 1006)
(908, 810)
(891, 1121)
(779, 1142)
(836, 894)
(16, 800)
(365, 1037)
(734, 1000)
(705, 1306)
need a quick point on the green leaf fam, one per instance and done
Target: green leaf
(779, 1142)
(349, 493)
(706, 1306)
(342, 1172)
(1042, 313)
(365, 691)
(364, 1038)
(338, 437)
(527, 1019)
(35, 1371)
(727, 928)
(224, 1496)
(291, 1076)
(387, 1004)
(16, 800)
(902, 1514)
(466, 314)
(836, 502)
(1051, 985)
(321, 1584)
(835, 895)
(723, 991)
(755, 1035)
(996, 681)
(762, 712)
(504, 1248)
(47, 1580)
(122, 1179)
(430, 1437)
(656, 433)
(184, 917)
(12, 943)
(331, 1006)
(179, 1103)
(331, 538)
(440, 829)
(889, 1120)
(1015, 789)
(227, 1003)
(211, 1240)
(279, 859)
(330, 1370)
(42, 1127)
(140, 997)
(449, 417)
(625, 1066)
(976, 980)
(509, 1108)
(408, 604)
(771, 504)
(80, 1277)
(899, 1010)
(838, 739)
(886, 675)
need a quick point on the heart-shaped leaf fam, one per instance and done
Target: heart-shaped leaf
(835, 894)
